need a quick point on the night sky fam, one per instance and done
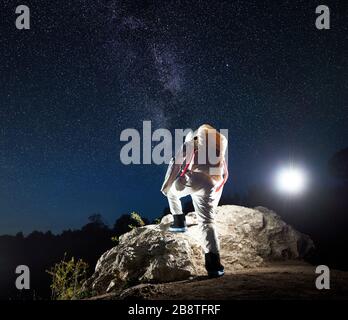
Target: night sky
(87, 69)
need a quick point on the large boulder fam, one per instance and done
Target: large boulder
(248, 238)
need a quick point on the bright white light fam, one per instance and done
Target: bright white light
(291, 180)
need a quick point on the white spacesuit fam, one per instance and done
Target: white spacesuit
(196, 175)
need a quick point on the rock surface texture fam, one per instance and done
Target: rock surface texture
(150, 254)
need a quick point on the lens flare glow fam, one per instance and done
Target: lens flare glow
(291, 180)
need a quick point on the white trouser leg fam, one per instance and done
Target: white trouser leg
(178, 190)
(205, 203)
(205, 200)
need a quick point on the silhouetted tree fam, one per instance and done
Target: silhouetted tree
(123, 224)
(338, 165)
(96, 219)
(20, 236)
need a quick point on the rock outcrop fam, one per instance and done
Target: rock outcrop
(248, 238)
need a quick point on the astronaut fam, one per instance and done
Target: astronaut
(199, 170)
